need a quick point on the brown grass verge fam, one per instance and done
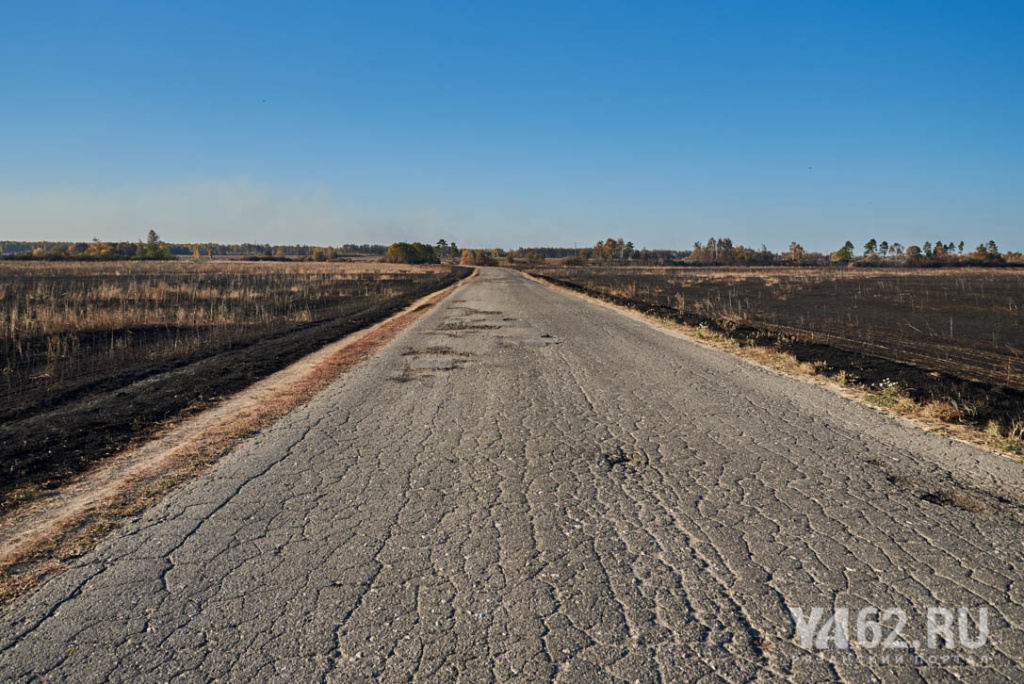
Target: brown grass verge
(943, 417)
(39, 538)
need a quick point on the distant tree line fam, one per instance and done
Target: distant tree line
(152, 248)
(610, 250)
(939, 253)
(716, 251)
(621, 251)
(144, 250)
(546, 252)
(723, 252)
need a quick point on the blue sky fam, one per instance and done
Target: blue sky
(513, 123)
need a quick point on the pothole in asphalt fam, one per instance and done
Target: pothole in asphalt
(424, 362)
(958, 500)
(435, 363)
(542, 341)
(481, 312)
(900, 481)
(411, 373)
(982, 503)
(621, 459)
(435, 351)
(459, 325)
(404, 376)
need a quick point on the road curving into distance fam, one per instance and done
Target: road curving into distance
(529, 484)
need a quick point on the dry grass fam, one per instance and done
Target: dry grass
(60, 321)
(44, 298)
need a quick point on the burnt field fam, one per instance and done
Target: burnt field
(95, 355)
(949, 336)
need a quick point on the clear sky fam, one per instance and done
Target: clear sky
(513, 123)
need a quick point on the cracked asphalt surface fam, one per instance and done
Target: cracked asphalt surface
(529, 484)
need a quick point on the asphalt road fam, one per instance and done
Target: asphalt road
(528, 484)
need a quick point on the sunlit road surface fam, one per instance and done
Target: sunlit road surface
(527, 484)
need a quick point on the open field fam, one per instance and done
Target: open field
(96, 354)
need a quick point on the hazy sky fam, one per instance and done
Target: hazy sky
(513, 123)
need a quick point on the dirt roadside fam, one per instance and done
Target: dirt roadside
(39, 537)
